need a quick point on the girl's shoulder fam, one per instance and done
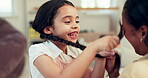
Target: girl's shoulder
(39, 45)
(38, 49)
(44, 48)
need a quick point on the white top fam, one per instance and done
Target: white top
(52, 51)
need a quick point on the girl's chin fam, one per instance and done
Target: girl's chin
(74, 41)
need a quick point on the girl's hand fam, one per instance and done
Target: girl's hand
(106, 43)
(107, 54)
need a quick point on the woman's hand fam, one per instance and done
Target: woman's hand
(112, 65)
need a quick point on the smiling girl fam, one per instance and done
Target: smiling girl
(57, 21)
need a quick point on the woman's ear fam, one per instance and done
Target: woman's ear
(48, 30)
(144, 30)
(144, 38)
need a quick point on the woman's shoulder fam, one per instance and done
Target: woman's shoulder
(138, 65)
(137, 69)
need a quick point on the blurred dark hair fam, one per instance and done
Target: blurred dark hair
(136, 14)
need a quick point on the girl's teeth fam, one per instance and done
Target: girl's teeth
(72, 34)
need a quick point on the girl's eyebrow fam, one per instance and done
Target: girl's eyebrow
(77, 16)
(69, 17)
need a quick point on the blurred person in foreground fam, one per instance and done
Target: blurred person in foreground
(12, 48)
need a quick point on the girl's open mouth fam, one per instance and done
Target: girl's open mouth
(73, 34)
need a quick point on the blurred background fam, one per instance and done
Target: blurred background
(97, 18)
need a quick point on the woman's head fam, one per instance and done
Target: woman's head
(135, 24)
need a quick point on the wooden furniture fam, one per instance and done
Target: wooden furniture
(91, 36)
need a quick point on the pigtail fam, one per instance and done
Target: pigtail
(77, 45)
(56, 38)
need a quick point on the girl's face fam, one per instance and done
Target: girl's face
(133, 36)
(66, 23)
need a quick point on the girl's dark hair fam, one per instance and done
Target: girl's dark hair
(46, 14)
(136, 14)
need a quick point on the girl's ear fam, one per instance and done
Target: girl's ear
(48, 30)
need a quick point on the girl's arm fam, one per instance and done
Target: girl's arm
(99, 68)
(78, 67)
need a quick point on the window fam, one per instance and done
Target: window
(103, 3)
(88, 3)
(7, 8)
(98, 3)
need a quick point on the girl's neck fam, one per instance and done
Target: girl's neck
(61, 46)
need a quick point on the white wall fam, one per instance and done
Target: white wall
(95, 23)
(99, 21)
(19, 20)
(32, 6)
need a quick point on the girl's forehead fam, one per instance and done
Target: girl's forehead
(67, 10)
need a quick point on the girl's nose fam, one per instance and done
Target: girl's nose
(74, 27)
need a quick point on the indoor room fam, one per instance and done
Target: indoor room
(98, 18)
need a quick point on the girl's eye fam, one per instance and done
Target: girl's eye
(67, 22)
(77, 21)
